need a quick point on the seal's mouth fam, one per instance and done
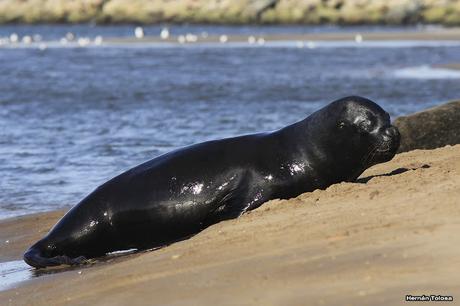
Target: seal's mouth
(385, 149)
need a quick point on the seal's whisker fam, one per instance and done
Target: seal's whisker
(370, 155)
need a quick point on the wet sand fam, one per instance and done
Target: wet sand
(394, 232)
(452, 66)
(16, 234)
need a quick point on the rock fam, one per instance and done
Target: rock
(258, 7)
(403, 12)
(434, 14)
(433, 128)
(445, 12)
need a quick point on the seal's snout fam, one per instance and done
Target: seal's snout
(391, 133)
(391, 138)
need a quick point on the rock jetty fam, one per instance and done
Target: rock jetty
(446, 12)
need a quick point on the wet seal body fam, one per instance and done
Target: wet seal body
(182, 192)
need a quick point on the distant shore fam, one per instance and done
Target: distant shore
(350, 12)
(452, 34)
(424, 35)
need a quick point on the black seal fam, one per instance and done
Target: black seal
(180, 193)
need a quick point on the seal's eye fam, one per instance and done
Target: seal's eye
(341, 125)
(365, 124)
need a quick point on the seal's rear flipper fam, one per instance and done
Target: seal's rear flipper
(34, 258)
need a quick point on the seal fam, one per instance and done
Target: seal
(178, 194)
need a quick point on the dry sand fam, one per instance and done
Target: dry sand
(393, 233)
(453, 66)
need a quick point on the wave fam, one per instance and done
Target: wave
(426, 72)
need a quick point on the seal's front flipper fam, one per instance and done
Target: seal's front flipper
(66, 260)
(233, 201)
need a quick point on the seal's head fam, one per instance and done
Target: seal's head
(363, 134)
(368, 126)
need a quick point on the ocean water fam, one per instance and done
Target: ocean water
(73, 117)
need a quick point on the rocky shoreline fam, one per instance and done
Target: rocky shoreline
(347, 12)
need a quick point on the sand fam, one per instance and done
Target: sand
(17, 234)
(394, 232)
(453, 66)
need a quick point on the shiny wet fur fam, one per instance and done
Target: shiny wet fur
(180, 193)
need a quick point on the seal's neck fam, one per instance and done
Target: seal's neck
(313, 140)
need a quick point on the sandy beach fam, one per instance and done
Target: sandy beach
(392, 233)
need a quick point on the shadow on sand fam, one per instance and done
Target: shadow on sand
(366, 179)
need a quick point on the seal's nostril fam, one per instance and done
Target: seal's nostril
(391, 132)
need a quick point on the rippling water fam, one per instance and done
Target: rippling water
(71, 118)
